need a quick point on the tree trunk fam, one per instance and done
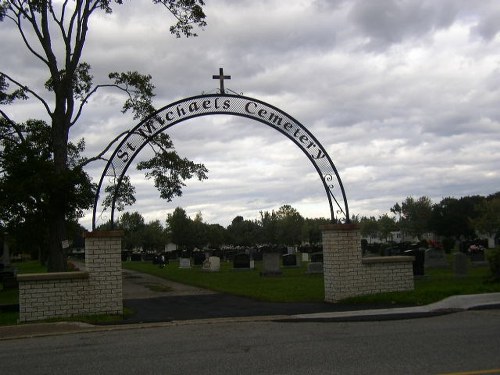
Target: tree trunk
(57, 235)
(57, 220)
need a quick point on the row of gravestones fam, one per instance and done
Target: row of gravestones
(271, 262)
(437, 258)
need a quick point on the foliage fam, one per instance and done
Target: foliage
(386, 225)
(28, 182)
(55, 33)
(289, 228)
(169, 170)
(368, 227)
(243, 232)
(488, 217)
(452, 217)
(179, 228)
(415, 215)
(493, 256)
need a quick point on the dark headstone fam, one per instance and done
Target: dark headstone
(418, 263)
(241, 261)
(289, 260)
(198, 258)
(317, 258)
(136, 257)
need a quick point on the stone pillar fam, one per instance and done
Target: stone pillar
(347, 274)
(103, 264)
(341, 260)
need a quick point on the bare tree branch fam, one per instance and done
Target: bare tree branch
(27, 89)
(106, 149)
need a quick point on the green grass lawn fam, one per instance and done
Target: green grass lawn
(11, 296)
(293, 286)
(296, 286)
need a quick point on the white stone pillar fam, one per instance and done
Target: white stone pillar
(103, 263)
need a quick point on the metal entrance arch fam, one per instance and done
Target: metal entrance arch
(225, 104)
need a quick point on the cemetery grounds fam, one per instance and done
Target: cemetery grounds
(293, 285)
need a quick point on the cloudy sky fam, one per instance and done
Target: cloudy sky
(404, 96)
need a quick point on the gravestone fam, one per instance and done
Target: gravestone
(134, 257)
(198, 258)
(289, 260)
(184, 262)
(435, 258)
(316, 264)
(241, 261)
(317, 257)
(460, 264)
(305, 257)
(315, 267)
(212, 264)
(271, 264)
(418, 263)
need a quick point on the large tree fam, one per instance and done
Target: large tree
(55, 32)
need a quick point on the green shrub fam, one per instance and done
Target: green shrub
(493, 256)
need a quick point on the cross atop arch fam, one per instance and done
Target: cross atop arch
(221, 77)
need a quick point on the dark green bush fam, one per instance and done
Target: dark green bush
(493, 256)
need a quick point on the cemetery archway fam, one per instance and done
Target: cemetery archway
(222, 104)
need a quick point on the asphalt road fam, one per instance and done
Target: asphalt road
(153, 299)
(467, 341)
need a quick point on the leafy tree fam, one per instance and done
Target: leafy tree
(198, 232)
(289, 225)
(488, 217)
(368, 227)
(386, 225)
(179, 227)
(269, 225)
(133, 227)
(216, 235)
(243, 232)
(416, 216)
(55, 33)
(27, 180)
(153, 237)
(311, 231)
(450, 218)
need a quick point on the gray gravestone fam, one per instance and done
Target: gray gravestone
(435, 258)
(271, 264)
(460, 264)
(315, 267)
(212, 264)
(184, 263)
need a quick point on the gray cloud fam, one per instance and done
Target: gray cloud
(402, 94)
